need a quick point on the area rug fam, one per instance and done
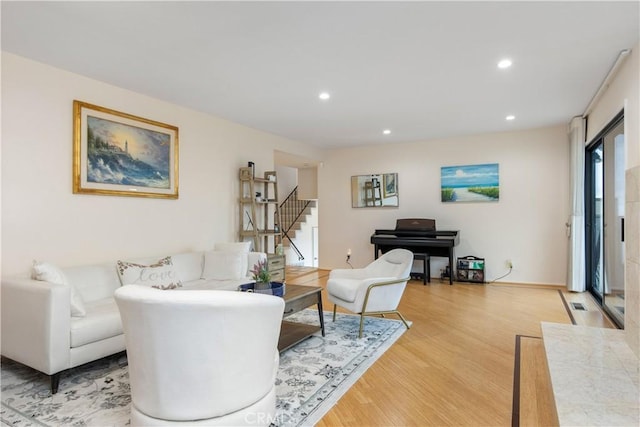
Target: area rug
(312, 376)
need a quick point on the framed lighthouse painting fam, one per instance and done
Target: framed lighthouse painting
(118, 154)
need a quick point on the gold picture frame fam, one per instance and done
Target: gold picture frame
(119, 154)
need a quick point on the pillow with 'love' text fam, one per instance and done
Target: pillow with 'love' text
(159, 275)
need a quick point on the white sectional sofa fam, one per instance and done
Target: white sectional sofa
(69, 316)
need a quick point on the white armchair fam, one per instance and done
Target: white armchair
(200, 357)
(375, 289)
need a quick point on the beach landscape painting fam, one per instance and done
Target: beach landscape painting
(470, 183)
(119, 154)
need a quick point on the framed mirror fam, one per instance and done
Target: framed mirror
(374, 191)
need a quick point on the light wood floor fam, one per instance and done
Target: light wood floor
(455, 366)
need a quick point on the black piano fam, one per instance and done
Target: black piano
(420, 236)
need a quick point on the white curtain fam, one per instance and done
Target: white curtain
(576, 270)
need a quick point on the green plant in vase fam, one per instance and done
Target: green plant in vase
(261, 275)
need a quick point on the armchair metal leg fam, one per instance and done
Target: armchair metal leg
(403, 320)
(366, 300)
(381, 313)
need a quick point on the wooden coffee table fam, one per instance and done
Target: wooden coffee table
(296, 298)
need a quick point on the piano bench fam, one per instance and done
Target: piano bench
(426, 266)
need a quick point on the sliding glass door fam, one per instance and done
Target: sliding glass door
(605, 218)
(595, 220)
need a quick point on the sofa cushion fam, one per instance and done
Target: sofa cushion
(102, 321)
(224, 265)
(159, 275)
(48, 272)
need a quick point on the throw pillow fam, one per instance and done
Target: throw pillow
(224, 265)
(48, 272)
(159, 275)
(243, 247)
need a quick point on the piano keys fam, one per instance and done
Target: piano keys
(420, 236)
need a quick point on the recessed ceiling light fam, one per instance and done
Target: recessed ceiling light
(510, 117)
(324, 96)
(505, 63)
(387, 131)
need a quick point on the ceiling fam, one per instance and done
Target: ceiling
(424, 70)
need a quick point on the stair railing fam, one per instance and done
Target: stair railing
(290, 211)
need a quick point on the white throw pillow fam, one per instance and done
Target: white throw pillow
(224, 265)
(159, 275)
(243, 247)
(48, 272)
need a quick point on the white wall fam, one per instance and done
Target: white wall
(526, 226)
(287, 180)
(308, 183)
(624, 92)
(42, 219)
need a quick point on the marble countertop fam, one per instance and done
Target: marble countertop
(594, 374)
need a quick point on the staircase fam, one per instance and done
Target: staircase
(293, 213)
